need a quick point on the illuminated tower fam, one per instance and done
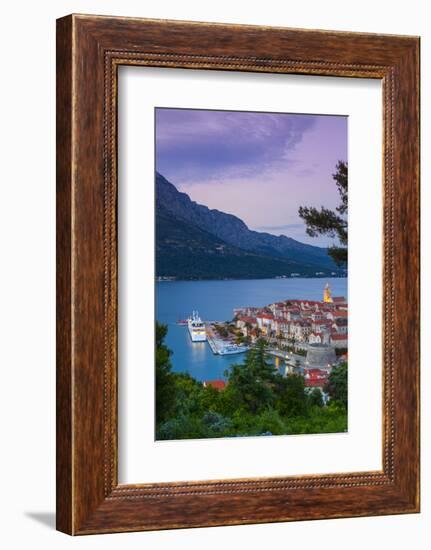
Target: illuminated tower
(327, 294)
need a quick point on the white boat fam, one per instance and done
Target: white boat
(231, 349)
(196, 328)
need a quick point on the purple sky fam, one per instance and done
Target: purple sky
(259, 166)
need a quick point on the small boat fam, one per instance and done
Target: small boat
(182, 322)
(231, 349)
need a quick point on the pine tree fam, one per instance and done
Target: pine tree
(250, 384)
(328, 222)
(165, 382)
(336, 385)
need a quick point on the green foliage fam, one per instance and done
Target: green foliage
(216, 422)
(165, 382)
(315, 398)
(222, 331)
(328, 222)
(291, 398)
(318, 420)
(336, 386)
(250, 384)
(256, 401)
(239, 339)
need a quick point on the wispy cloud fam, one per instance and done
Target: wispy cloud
(259, 166)
(201, 146)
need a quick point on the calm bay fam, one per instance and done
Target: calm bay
(215, 301)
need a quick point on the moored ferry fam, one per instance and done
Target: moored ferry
(196, 328)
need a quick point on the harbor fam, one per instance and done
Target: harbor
(303, 337)
(313, 361)
(211, 332)
(220, 346)
(217, 303)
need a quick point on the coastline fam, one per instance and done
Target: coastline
(196, 280)
(216, 299)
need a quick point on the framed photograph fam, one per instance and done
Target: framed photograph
(237, 274)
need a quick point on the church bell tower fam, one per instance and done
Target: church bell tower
(327, 294)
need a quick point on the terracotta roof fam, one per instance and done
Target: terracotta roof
(301, 323)
(308, 302)
(338, 336)
(339, 299)
(340, 313)
(246, 319)
(316, 374)
(217, 384)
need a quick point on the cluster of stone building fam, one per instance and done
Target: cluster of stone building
(298, 322)
(303, 336)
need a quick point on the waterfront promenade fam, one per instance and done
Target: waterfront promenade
(220, 346)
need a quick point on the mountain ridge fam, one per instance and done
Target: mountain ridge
(218, 235)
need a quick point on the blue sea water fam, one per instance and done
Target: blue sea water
(215, 301)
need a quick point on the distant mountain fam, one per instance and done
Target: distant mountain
(194, 241)
(186, 251)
